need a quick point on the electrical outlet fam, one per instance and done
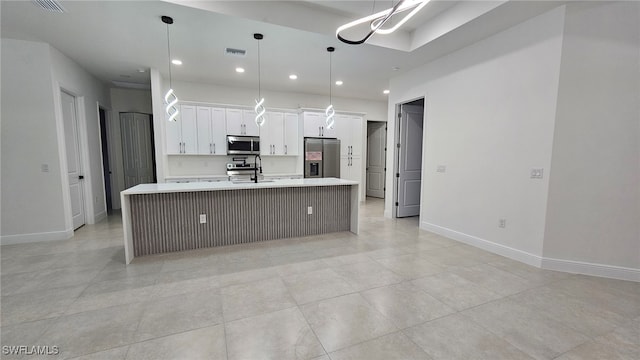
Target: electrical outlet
(309, 210)
(441, 168)
(44, 167)
(502, 223)
(96, 200)
(536, 173)
(203, 218)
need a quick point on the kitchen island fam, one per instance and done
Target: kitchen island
(169, 217)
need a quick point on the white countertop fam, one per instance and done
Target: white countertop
(221, 176)
(229, 185)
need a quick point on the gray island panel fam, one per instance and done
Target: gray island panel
(170, 221)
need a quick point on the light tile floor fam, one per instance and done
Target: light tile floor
(392, 292)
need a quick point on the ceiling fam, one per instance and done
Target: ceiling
(114, 39)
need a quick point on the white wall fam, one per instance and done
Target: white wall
(31, 199)
(123, 100)
(489, 114)
(36, 204)
(90, 93)
(594, 197)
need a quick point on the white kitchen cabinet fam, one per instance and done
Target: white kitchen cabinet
(272, 134)
(181, 180)
(351, 168)
(214, 179)
(291, 134)
(182, 134)
(314, 125)
(349, 129)
(279, 135)
(241, 122)
(212, 134)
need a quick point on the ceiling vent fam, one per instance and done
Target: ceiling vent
(235, 52)
(50, 5)
(131, 85)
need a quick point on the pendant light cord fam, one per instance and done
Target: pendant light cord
(259, 82)
(330, 76)
(169, 52)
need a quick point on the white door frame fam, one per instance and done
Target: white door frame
(83, 152)
(396, 151)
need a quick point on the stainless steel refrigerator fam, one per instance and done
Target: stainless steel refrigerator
(321, 158)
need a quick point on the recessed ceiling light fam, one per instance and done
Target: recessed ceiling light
(385, 92)
(395, 68)
(239, 70)
(141, 70)
(293, 76)
(176, 62)
(339, 82)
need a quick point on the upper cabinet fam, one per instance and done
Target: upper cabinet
(315, 126)
(279, 134)
(349, 129)
(241, 122)
(182, 134)
(212, 134)
(291, 134)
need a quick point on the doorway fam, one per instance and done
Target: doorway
(106, 167)
(74, 165)
(408, 165)
(376, 158)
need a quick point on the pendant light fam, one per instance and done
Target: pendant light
(329, 111)
(259, 108)
(170, 97)
(377, 20)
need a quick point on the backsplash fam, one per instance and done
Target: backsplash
(199, 166)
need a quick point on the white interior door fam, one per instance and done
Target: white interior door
(409, 161)
(376, 150)
(74, 166)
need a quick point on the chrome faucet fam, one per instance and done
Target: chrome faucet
(255, 168)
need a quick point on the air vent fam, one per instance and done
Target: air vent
(235, 52)
(50, 5)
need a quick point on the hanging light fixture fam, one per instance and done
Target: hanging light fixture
(329, 111)
(259, 108)
(170, 97)
(376, 21)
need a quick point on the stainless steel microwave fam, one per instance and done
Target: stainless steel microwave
(243, 145)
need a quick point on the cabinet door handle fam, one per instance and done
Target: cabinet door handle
(214, 148)
(319, 131)
(210, 148)
(286, 151)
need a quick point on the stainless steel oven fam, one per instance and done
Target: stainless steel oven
(243, 145)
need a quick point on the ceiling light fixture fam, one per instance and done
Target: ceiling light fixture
(376, 21)
(176, 62)
(170, 97)
(386, 92)
(293, 76)
(239, 70)
(329, 111)
(339, 83)
(259, 108)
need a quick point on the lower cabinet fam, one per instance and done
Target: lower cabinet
(351, 168)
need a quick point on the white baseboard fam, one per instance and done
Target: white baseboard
(36, 237)
(506, 251)
(100, 216)
(586, 268)
(570, 266)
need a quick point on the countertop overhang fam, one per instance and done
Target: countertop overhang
(229, 185)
